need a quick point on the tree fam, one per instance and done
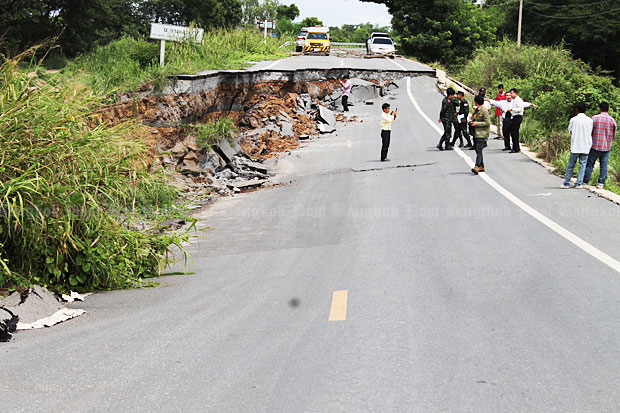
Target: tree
(287, 12)
(255, 9)
(443, 30)
(213, 13)
(311, 21)
(588, 28)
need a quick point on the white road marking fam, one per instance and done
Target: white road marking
(397, 64)
(542, 194)
(272, 65)
(557, 228)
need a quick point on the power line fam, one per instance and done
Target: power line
(572, 17)
(569, 5)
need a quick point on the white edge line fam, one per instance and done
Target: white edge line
(554, 226)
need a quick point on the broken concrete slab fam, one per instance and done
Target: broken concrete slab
(285, 116)
(191, 142)
(323, 128)
(326, 116)
(179, 148)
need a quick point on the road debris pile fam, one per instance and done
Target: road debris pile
(271, 117)
(34, 308)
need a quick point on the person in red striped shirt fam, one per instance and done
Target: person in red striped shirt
(499, 119)
(603, 133)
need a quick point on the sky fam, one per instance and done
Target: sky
(339, 12)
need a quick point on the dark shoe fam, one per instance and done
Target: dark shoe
(468, 146)
(499, 138)
(385, 160)
(439, 147)
(471, 148)
(506, 149)
(449, 147)
(514, 151)
(475, 170)
(460, 145)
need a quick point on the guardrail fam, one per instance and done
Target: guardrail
(358, 45)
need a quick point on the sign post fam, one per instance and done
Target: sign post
(266, 24)
(165, 32)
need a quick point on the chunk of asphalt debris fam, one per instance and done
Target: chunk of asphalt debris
(326, 116)
(32, 304)
(287, 130)
(304, 137)
(247, 184)
(8, 325)
(228, 149)
(323, 128)
(251, 165)
(363, 90)
(392, 86)
(369, 102)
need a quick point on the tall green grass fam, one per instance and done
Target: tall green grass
(551, 78)
(125, 64)
(74, 194)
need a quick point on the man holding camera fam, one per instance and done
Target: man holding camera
(387, 119)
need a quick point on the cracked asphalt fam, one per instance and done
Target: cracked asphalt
(443, 294)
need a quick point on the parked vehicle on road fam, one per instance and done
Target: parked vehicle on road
(301, 39)
(317, 40)
(381, 45)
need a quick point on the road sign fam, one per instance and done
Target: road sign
(175, 33)
(165, 32)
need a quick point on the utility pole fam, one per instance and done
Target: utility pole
(520, 20)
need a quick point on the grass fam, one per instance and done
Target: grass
(127, 63)
(75, 194)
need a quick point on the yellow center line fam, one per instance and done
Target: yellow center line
(338, 311)
(342, 62)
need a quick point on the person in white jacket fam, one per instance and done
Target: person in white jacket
(580, 129)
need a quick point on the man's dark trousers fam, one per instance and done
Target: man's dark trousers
(514, 131)
(460, 131)
(385, 143)
(447, 132)
(345, 103)
(506, 132)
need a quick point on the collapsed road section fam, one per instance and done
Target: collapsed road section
(271, 110)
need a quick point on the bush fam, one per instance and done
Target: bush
(74, 194)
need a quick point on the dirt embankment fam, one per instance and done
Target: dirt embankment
(272, 116)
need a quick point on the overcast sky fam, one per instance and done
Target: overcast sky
(339, 12)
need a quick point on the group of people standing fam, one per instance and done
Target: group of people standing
(591, 140)
(455, 113)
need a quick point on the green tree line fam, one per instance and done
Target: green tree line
(83, 25)
(449, 31)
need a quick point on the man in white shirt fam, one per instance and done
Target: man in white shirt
(580, 128)
(504, 105)
(386, 121)
(516, 111)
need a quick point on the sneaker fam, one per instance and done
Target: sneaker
(474, 170)
(578, 186)
(600, 186)
(564, 186)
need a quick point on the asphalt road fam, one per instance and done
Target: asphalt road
(445, 293)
